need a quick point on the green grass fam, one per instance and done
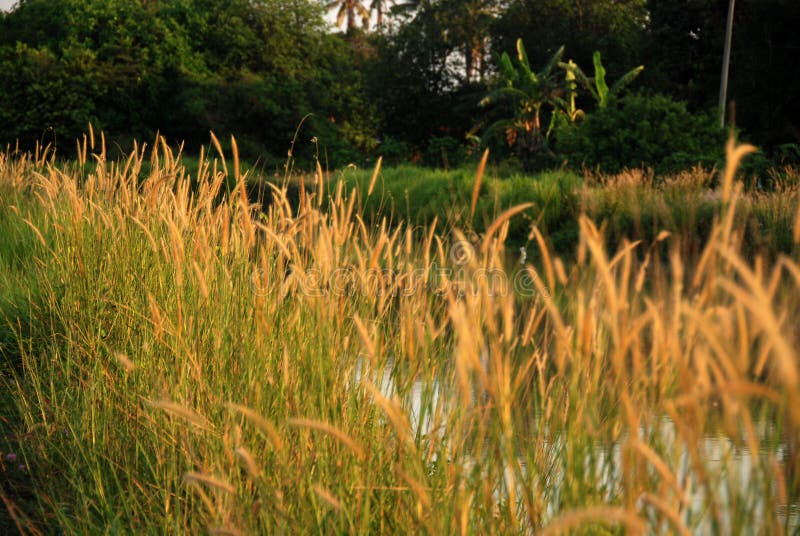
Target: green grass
(174, 362)
(632, 205)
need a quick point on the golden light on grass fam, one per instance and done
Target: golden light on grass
(332, 431)
(668, 512)
(375, 174)
(433, 400)
(189, 415)
(476, 189)
(125, 362)
(733, 156)
(604, 515)
(210, 481)
(261, 423)
(327, 497)
(249, 462)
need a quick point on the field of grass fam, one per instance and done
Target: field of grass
(634, 204)
(175, 359)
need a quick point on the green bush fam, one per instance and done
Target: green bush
(641, 130)
(393, 150)
(446, 152)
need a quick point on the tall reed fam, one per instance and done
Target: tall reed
(203, 362)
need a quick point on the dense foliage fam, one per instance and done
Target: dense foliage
(640, 130)
(403, 79)
(180, 67)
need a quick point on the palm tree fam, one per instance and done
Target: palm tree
(349, 10)
(380, 8)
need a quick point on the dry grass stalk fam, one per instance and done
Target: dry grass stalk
(249, 462)
(476, 189)
(327, 497)
(664, 507)
(661, 467)
(261, 423)
(733, 156)
(500, 221)
(213, 482)
(189, 415)
(394, 412)
(673, 350)
(374, 178)
(596, 514)
(332, 431)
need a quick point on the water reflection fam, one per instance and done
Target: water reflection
(731, 466)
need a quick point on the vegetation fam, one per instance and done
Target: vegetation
(630, 204)
(177, 360)
(180, 68)
(339, 317)
(400, 80)
(531, 94)
(637, 131)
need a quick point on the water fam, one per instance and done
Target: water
(741, 477)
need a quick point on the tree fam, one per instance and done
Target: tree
(350, 11)
(468, 24)
(596, 85)
(685, 44)
(614, 27)
(684, 49)
(380, 7)
(418, 85)
(530, 94)
(252, 68)
(765, 81)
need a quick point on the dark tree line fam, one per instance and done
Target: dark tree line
(402, 78)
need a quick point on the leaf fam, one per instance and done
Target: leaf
(600, 80)
(507, 67)
(554, 60)
(504, 93)
(522, 55)
(626, 79)
(495, 128)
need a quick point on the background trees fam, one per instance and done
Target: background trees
(253, 68)
(613, 27)
(410, 87)
(350, 12)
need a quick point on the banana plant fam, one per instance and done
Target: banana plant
(597, 85)
(568, 105)
(531, 94)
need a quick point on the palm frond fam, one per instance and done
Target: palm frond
(341, 15)
(503, 93)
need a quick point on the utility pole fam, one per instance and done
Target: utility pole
(726, 63)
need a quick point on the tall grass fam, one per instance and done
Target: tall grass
(193, 362)
(635, 203)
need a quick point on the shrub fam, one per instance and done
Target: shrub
(393, 150)
(446, 152)
(642, 130)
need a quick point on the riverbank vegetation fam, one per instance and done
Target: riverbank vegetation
(178, 359)
(443, 266)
